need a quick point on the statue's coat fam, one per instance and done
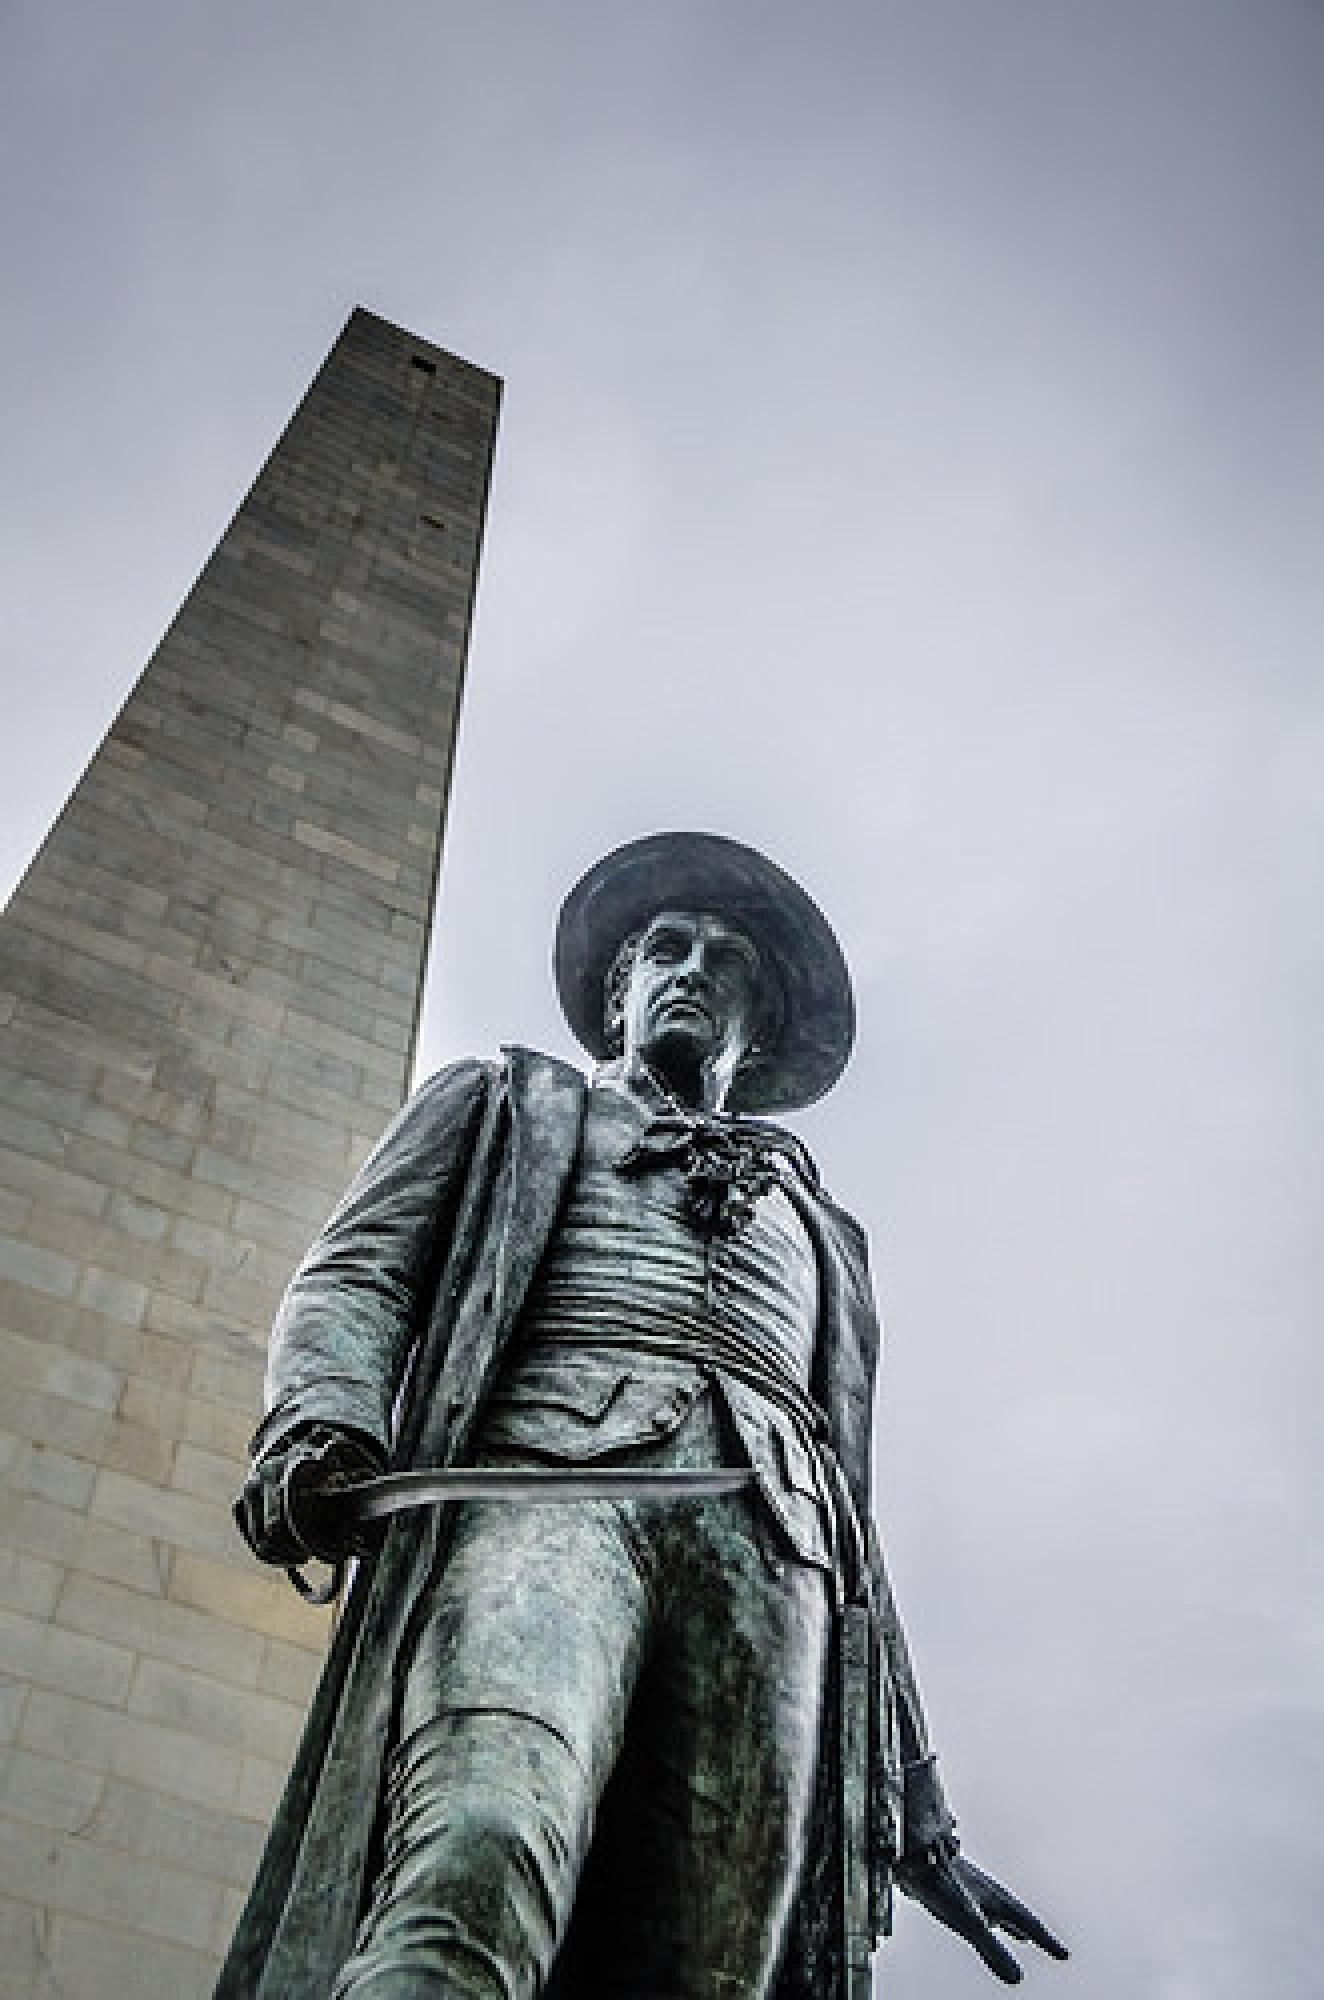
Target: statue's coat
(406, 1301)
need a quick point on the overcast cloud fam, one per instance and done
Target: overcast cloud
(912, 463)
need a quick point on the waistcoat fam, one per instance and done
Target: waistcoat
(635, 1311)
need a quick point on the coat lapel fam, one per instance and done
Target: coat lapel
(546, 1110)
(547, 1101)
(846, 1357)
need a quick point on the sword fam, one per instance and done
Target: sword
(308, 1492)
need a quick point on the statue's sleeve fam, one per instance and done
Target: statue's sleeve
(354, 1307)
(916, 1812)
(912, 1730)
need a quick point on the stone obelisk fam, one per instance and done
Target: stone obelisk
(209, 987)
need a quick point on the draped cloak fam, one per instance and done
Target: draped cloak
(395, 1325)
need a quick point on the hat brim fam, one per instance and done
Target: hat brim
(706, 872)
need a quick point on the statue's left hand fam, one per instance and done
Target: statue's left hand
(973, 1905)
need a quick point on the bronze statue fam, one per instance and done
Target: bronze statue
(664, 1743)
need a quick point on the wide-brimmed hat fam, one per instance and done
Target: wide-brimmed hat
(624, 891)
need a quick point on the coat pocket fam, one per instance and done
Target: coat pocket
(577, 1408)
(785, 1470)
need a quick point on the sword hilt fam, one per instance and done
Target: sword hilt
(309, 1496)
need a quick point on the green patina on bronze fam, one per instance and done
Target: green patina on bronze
(548, 1736)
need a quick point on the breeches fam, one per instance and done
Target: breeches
(606, 1755)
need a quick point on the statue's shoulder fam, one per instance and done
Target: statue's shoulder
(832, 1220)
(539, 1083)
(519, 1071)
(528, 1078)
(455, 1083)
(848, 1227)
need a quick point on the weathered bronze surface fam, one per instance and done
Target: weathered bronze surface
(657, 1748)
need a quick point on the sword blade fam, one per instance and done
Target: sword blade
(401, 1492)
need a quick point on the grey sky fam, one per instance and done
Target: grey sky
(913, 462)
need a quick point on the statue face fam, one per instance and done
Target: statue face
(693, 1001)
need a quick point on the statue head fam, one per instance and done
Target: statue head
(694, 953)
(687, 997)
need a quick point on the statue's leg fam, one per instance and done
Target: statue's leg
(701, 1836)
(735, 1749)
(513, 1712)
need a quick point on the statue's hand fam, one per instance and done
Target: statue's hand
(973, 1905)
(324, 1458)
